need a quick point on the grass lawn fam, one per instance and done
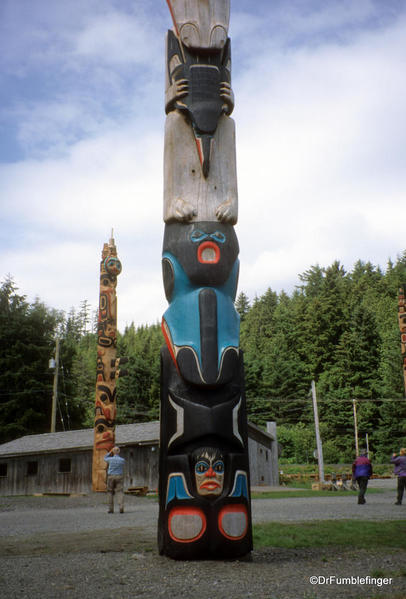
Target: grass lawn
(322, 533)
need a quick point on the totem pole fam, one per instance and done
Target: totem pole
(105, 403)
(402, 327)
(204, 475)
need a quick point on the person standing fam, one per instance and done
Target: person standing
(400, 471)
(115, 478)
(361, 471)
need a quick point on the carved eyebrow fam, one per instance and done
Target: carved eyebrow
(104, 421)
(218, 236)
(198, 235)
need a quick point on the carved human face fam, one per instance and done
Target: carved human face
(104, 434)
(209, 472)
(105, 416)
(112, 265)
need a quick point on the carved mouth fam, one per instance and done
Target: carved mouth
(208, 253)
(210, 485)
(105, 443)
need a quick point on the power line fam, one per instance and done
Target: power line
(327, 399)
(29, 391)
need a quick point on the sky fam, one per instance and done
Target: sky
(321, 128)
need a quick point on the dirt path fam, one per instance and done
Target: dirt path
(68, 547)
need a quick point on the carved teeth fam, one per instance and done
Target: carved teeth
(208, 255)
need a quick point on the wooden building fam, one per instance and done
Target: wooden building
(62, 462)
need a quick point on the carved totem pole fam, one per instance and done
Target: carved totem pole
(204, 472)
(402, 327)
(105, 403)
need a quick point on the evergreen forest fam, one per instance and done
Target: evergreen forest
(337, 328)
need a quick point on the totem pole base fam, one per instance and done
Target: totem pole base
(203, 516)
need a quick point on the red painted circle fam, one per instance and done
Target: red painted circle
(233, 509)
(187, 512)
(206, 246)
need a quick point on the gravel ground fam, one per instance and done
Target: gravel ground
(69, 547)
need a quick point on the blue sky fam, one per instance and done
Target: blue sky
(321, 128)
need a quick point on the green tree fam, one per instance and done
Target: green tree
(139, 392)
(79, 380)
(324, 318)
(26, 344)
(242, 305)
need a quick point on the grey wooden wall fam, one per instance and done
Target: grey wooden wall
(49, 478)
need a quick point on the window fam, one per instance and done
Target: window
(65, 465)
(32, 468)
(3, 469)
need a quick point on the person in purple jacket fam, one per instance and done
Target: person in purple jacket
(361, 471)
(400, 471)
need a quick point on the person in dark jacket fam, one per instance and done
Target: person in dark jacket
(361, 471)
(400, 471)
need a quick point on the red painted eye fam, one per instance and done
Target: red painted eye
(208, 253)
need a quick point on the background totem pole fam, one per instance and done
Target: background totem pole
(105, 403)
(204, 477)
(402, 327)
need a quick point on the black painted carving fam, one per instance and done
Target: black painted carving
(202, 76)
(192, 420)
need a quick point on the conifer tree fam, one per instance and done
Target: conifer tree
(26, 344)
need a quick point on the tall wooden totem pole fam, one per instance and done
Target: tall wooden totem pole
(204, 476)
(402, 327)
(105, 403)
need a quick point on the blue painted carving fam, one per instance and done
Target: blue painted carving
(240, 485)
(177, 488)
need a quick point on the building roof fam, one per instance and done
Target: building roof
(258, 434)
(146, 433)
(126, 434)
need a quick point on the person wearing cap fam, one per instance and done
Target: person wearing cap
(400, 470)
(115, 478)
(361, 471)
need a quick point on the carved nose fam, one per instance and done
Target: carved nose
(210, 473)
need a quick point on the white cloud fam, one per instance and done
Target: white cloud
(50, 128)
(72, 202)
(314, 18)
(141, 299)
(58, 272)
(320, 165)
(114, 178)
(117, 38)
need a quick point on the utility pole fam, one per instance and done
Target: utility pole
(354, 405)
(318, 438)
(402, 327)
(55, 387)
